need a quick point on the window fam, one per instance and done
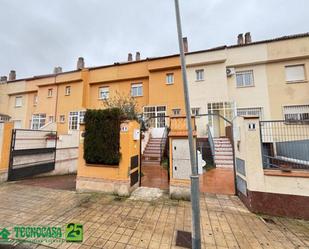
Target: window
(103, 92)
(155, 116)
(199, 74)
(295, 73)
(50, 92)
(75, 118)
(68, 90)
(176, 112)
(82, 116)
(35, 100)
(18, 101)
(169, 78)
(247, 112)
(38, 121)
(51, 119)
(62, 118)
(137, 90)
(195, 111)
(244, 78)
(296, 113)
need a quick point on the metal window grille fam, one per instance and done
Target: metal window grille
(247, 112)
(296, 113)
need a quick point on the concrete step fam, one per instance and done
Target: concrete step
(224, 157)
(148, 155)
(150, 163)
(223, 149)
(151, 156)
(147, 151)
(223, 162)
(224, 166)
(221, 140)
(154, 143)
(224, 153)
(223, 146)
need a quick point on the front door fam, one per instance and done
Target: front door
(216, 124)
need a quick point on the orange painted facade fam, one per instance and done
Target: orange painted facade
(49, 95)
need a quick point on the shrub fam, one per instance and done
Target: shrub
(126, 103)
(102, 136)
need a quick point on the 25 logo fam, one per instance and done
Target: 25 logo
(74, 232)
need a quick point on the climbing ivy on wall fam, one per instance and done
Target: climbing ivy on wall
(102, 136)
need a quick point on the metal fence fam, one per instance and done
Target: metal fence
(285, 145)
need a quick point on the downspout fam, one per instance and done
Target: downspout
(56, 105)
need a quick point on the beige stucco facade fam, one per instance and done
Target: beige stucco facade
(269, 91)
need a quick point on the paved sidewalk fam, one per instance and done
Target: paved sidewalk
(111, 222)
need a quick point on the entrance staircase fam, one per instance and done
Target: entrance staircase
(223, 154)
(152, 153)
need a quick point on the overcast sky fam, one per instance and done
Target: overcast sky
(37, 35)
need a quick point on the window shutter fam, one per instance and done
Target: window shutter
(295, 73)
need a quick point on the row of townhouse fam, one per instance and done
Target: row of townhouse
(266, 78)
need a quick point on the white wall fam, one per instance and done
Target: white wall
(248, 148)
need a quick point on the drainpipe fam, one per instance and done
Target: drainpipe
(56, 105)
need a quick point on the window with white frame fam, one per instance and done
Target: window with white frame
(75, 118)
(137, 90)
(51, 119)
(67, 90)
(244, 78)
(199, 74)
(169, 78)
(296, 113)
(250, 112)
(62, 118)
(104, 92)
(176, 111)
(50, 92)
(18, 101)
(35, 100)
(155, 116)
(82, 117)
(195, 111)
(38, 121)
(295, 73)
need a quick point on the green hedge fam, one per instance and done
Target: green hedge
(102, 136)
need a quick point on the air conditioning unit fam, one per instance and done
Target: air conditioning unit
(230, 71)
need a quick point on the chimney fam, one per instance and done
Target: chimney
(12, 75)
(130, 57)
(185, 44)
(57, 70)
(240, 39)
(80, 63)
(3, 79)
(138, 56)
(247, 38)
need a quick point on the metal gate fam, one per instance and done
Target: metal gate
(285, 144)
(32, 152)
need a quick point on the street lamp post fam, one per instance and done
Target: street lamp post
(195, 193)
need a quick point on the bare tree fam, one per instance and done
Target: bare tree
(126, 103)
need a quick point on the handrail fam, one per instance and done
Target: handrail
(211, 141)
(163, 143)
